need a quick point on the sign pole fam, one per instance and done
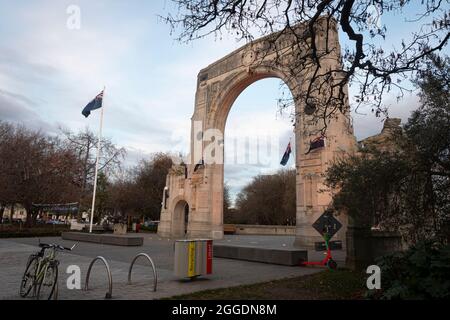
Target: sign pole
(97, 162)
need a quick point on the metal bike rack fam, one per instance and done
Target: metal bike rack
(86, 286)
(56, 293)
(155, 276)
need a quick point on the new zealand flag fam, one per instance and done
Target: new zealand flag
(93, 105)
(316, 144)
(286, 155)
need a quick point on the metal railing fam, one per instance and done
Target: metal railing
(86, 286)
(155, 276)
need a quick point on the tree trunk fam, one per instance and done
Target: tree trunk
(11, 213)
(34, 217)
(2, 211)
(29, 211)
(358, 248)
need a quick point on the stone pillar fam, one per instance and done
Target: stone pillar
(364, 246)
(120, 228)
(165, 220)
(359, 248)
(385, 242)
(313, 196)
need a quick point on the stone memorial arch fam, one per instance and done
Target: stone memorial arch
(193, 196)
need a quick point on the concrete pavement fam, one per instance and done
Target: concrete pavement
(227, 273)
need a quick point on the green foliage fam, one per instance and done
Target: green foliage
(227, 211)
(404, 184)
(367, 185)
(149, 183)
(152, 228)
(139, 192)
(102, 196)
(41, 231)
(422, 272)
(267, 200)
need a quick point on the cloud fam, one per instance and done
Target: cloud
(16, 64)
(17, 96)
(15, 108)
(366, 124)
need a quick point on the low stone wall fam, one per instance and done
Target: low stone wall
(287, 257)
(385, 242)
(364, 246)
(243, 229)
(116, 240)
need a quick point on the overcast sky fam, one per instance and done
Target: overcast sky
(48, 73)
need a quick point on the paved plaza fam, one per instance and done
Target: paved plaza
(227, 273)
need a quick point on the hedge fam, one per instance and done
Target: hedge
(16, 232)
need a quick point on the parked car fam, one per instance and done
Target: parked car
(151, 223)
(55, 222)
(78, 226)
(17, 221)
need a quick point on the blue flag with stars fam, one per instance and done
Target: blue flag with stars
(93, 105)
(286, 155)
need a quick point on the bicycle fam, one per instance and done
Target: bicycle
(41, 272)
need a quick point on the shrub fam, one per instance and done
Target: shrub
(151, 228)
(422, 272)
(12, 231)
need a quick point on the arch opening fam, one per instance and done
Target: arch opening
(256, 136)
(180, 218)
(230, 93)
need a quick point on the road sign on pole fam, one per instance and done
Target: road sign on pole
(327, 223)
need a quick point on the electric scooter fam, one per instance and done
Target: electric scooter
(328, 261)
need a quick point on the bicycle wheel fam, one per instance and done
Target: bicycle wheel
(29, 276)
(47, 287)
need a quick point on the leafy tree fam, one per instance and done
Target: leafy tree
(102, 196)
(36, 169)
(421, 272)
(428, 129)
(85, 145)
(408, 187)
(368, 185)
(6, 186)
(122, 196)
(268, 200)
(151, 180)
(140, 191)
(226, 203)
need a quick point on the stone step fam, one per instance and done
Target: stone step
(117, 240)
(281, 256)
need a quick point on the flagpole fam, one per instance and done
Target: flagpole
(97, 161)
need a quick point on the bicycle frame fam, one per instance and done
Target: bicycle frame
(44, 262)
